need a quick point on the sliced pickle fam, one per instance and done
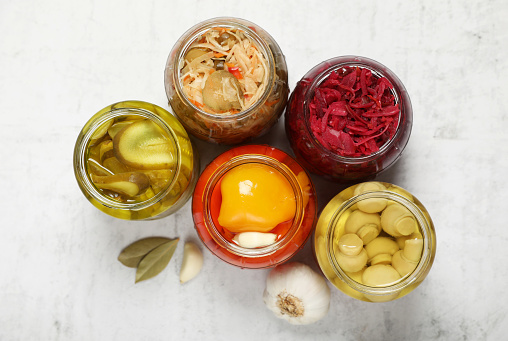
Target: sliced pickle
(130, 184)
(105, 147)
(142, 145)
(159, 178)
(101, 131)
(115, 128)
(97, 169)
(222, 91)
(191, 55)
(116, 166)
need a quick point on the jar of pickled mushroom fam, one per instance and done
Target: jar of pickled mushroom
(226, 80)
(348, 119)
(133, 160)
(254, 206)
(375, 242)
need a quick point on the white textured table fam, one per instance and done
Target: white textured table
(62, 61)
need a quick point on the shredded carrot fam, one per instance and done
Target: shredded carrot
(218, 54)
(270, 103)
(199, 105)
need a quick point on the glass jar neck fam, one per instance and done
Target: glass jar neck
(213, 181)
(81, 156)
(423, 265)
(231, 23)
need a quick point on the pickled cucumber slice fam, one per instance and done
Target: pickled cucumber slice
(97, 169)
(142, 145)
(101, 131)
(130, 184)
(222, 91)
(159, 178)
(115, 128)
(105, 147)
(116, 166)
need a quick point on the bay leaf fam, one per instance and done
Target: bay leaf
(156, 260)
(132, 254)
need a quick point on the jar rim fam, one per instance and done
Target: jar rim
(190, 36)
(212, 182)
(426, 259)
(81, 148)
(399, 92)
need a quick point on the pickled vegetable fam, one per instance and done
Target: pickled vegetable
(133, 160)
(142, 145)
(224, 72)
(255, 198)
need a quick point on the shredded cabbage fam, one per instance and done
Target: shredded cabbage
(236, 54)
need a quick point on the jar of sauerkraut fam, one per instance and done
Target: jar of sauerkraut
(226, 80)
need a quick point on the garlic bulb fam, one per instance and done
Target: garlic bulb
(296, 293)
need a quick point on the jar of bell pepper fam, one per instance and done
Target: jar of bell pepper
(133, 160)
(226, 80)
(254, 206)
(348, 119)
(375, 242)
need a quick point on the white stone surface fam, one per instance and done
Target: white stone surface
(61, 61)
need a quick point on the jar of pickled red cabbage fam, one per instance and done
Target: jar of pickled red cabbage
(348, 119)
(226, 80)
(133, 160)
(254, 206)
(375, 242)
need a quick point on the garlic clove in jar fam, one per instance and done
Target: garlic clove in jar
(297, 294)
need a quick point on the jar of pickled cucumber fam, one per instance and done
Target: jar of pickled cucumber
(133, 160)
(226, 80)
(375, 242)
(254, 206)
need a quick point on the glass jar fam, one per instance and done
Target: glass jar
(259, 96)
(404, 259)
(291, 234)
(133, 160)
(355, 147)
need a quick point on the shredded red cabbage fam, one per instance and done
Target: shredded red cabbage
(353, 112)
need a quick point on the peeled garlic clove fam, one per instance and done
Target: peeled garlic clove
(350, 244)
(297, 294)
(254, 239)
(396, 220)
(192, 262)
